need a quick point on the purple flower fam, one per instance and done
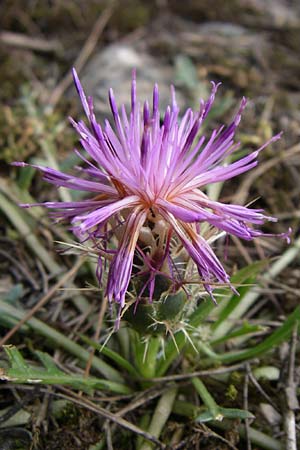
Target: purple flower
(146, 180)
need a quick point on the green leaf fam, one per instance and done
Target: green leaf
(206, 416)
(225, 413)
(15, 358)
(276, 338)
(21, 372)
(235, 413)
(187, 409)
(62, 341)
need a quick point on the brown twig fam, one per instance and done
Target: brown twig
(83, 56)
(259, 388)
(199, 373)
(208, 432)
(284, 287)
(146, 397)
(43, 300)
(21, 268)
(28, 42)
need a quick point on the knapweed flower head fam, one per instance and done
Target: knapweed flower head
(146, 178)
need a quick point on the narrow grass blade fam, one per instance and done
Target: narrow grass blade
(15, 358)
(225, 298)
(114, 356)
(276, 338)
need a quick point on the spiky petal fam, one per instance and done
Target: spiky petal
(145, 172)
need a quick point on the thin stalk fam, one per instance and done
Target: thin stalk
(278, 336)
(207, 399)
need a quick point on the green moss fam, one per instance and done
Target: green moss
(231, 392)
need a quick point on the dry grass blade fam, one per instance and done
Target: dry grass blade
(43, 300)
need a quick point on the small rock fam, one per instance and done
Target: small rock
(112, 68)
